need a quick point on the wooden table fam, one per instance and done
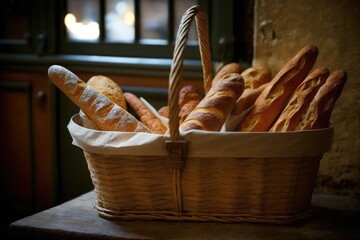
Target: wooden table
(335, 217)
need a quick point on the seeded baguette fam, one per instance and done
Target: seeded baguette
(144, 113)
(319, 111)
(300, 101)
(212, 111)
(272, 100)
(104, 113)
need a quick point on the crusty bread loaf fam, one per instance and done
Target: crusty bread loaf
(109, 88)
(254, 77)
(318, 114)
(300, 100)
(212, 111)
(272, 100)
(226, 69)
(247, 99)
(144, 113)
(103, 112)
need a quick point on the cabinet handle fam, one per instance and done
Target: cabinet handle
(41, 97)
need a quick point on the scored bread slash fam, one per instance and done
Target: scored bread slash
(272, 100)
(104, 113)
(319, 111)
(255, 77)
(300, 100)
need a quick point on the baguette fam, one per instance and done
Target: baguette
(226, 69)
(144, 113)
(299, 102)
(272, 100)
(109, 88)
(212, 111)
(104, 113)
(319, 111)
(255, 77)
(247, 99)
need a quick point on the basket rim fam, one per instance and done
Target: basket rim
(227, 144)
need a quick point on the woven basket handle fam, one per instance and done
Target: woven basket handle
(176, 71)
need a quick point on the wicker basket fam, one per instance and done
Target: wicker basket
(263, 177)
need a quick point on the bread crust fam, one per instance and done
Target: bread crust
(210, 114)
(255, 77)
(318, 113)
(247, 99)
(186, 109)
(255, 80)
(189, 98)
(272, 100)
(144, 113)
(233, 67)
(104, 113)
(109, 88)
(300, 100)
(188, 93)
(164, 111)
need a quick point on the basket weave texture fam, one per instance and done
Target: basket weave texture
(274, 190)
(182, 187)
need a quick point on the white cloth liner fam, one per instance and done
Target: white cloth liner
(202, 143)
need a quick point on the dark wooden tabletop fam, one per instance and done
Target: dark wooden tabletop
(335, 217)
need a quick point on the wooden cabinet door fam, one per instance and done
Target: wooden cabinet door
(16, 151)
(26, 165)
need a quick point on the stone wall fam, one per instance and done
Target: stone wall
(281, 28)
